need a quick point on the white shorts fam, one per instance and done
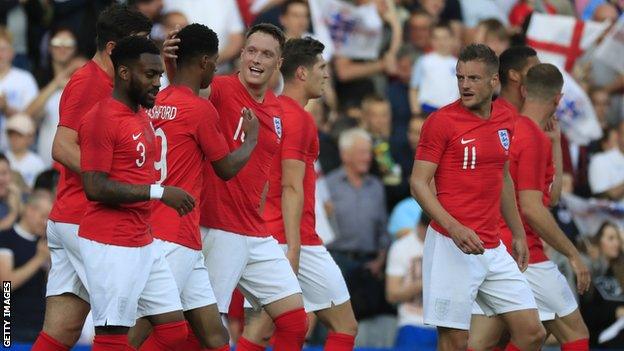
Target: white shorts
(67, 272)
(550, 289)
(453, 281)
(320, 279)
(190, 273)
(257, 265)
(126, 282)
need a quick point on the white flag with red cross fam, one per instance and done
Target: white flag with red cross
(611, 49)
(561, 40)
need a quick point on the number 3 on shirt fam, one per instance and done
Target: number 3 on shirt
(161, 165)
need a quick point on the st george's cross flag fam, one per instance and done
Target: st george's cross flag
(611, 50)
(561, 40)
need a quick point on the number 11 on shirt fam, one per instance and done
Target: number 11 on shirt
(473, 161)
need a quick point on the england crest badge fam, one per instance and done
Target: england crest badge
(504, 138)
(277, 122)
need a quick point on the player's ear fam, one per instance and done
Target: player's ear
(523, 91)
(514, 75)
(109, 47)
(123, 72)
(301, 73)
(558, 98)
(279, 63)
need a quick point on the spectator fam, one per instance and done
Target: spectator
(17, 86)
(295, 18)
(601, 101)
(406, 214)
(21, 132)
(152, 9)
(604, 304)
(224, 19)
(359, 211)
(493, 33)
(419, 31)
(404, 286)
(606, 171)
(45, 107)
(48, 181)
(433, 82)
(10, 195)
(174, 19)
(24, 259)
(476, 11)
(397, 93)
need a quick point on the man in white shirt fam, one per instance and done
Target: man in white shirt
(222, 16)
(21, 132)
(404, 286)
(606, 171)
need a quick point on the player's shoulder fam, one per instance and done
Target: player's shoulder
(447, 112)
(504, 109)
(224, 81)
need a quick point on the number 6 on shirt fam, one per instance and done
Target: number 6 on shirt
(161, 165)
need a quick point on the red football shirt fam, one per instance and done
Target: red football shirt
(117, 141)
(470, 153)
(87, 86)
(236, 205)
(300, 142)
(531, 167)
(187, 132)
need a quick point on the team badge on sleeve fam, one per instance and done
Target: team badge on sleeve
(504, 138)
(277, 122)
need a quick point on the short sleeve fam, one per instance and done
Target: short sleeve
(96, 149)
(433, 139)
(417, 73)
(208, 134)
(398, 264)
(30, 91)
(72, 106)
(297, 137)
(532, 160)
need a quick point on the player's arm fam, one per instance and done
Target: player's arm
(293, 172)
(422, 175)
(228, 166)
(554, 133)
(509, 210)
(21, 275)
(65, 149)
(99, 187)
(544, 224)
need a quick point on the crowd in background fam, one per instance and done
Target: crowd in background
(369, 125)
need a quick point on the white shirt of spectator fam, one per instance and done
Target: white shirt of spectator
(404, 258)
(434, 77)
(606, 171)
(20, 89)
(47, 128)
(474, 11)
(29, 166)
(221, 16)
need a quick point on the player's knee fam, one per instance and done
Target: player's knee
(535, 334)
(294, 322)
(67, 331)
(346, 325)
(217, 338)
(453, 343)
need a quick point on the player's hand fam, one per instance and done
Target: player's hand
(467, 240)
(520, 251)
(43, 252)
(293, 257)
(178, 199)
(251, 125)
(583, 277)
(170, 45)
(552, 129)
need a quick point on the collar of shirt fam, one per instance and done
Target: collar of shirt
(23, 233)
(366, 179)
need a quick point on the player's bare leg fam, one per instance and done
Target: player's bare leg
(485, 332)
(569, 329)
(450, 339)
(339, 319)
(140, 332)
(64, 317)
(207, 325)
(258, 327)
(527, 332)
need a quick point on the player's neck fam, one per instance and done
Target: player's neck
(296, 93)
(188, 79)
(484, 111)
(104, 62)
(256, 92)
(512, 95)
(124, 98)
(536, 112)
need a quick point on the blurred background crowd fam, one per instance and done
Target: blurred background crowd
(392, 63)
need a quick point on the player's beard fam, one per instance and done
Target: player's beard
(141, 94)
